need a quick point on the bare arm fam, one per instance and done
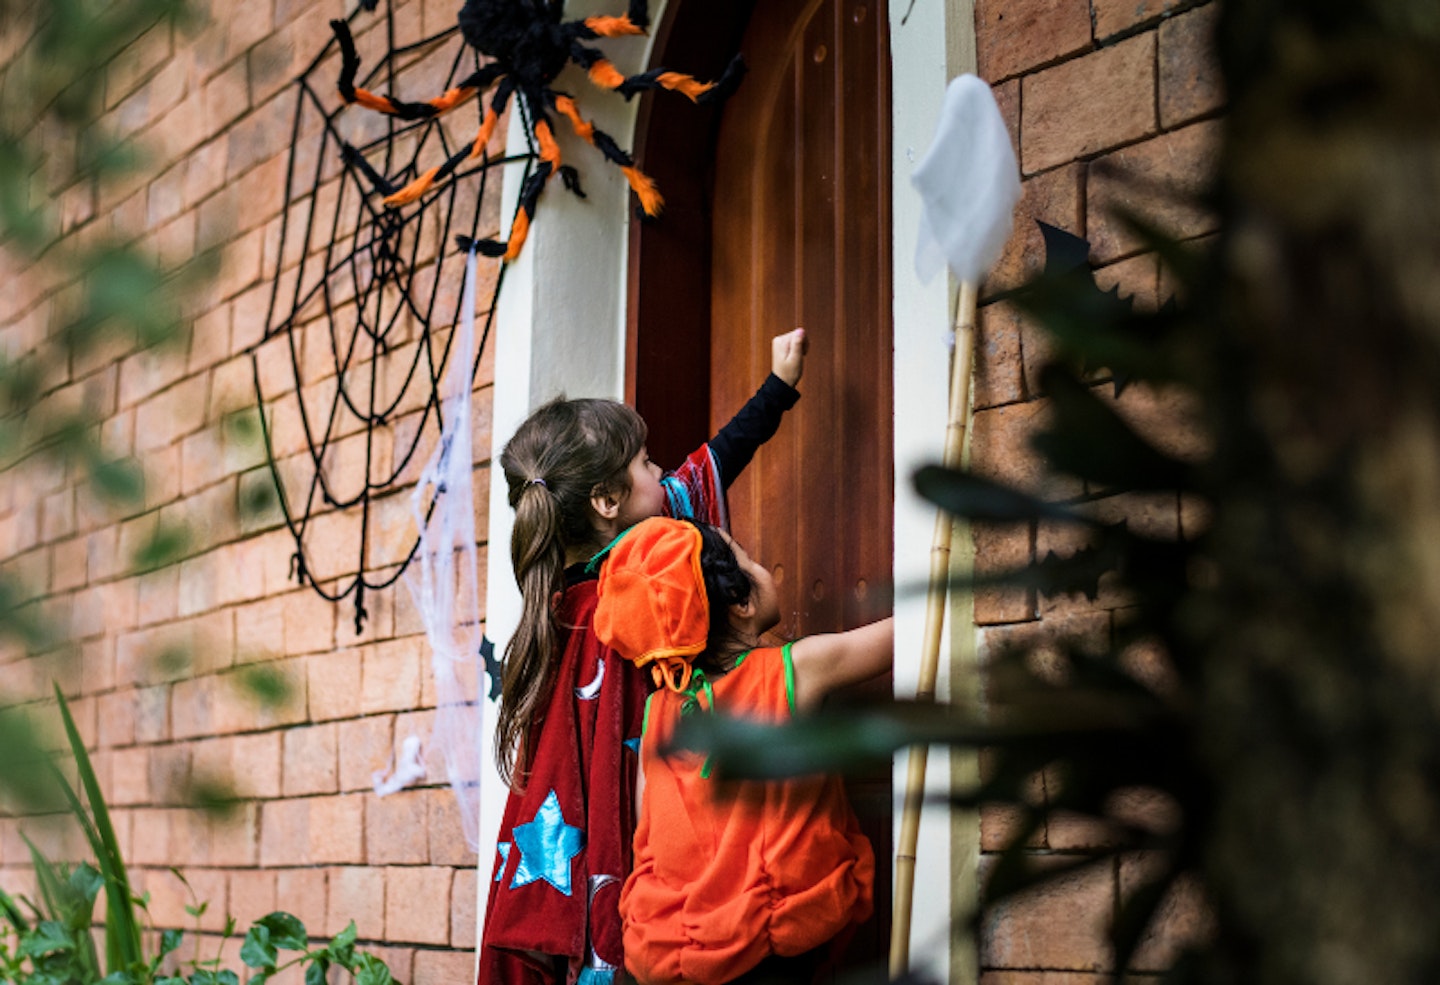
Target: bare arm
(834, 660)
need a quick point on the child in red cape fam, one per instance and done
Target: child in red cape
(765, 881)
(568, 733)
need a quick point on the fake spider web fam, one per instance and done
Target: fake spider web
(370, 357)
(359, 326)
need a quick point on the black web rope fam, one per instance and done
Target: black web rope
(369, 261)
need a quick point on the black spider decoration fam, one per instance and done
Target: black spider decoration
(527, 43)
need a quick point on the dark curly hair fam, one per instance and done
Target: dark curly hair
(725, 585)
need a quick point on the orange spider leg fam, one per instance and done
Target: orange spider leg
(613, 27)
(412, 191)
(487, 129)
(650, 198)
(605, 75)
(686, 85)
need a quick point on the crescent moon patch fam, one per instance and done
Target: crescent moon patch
(589, 691)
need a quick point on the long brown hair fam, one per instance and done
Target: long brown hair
(564, 453)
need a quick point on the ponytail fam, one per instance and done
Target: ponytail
(560, 456)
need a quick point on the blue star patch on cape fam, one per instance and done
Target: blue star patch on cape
(547, 845)
(504, 849)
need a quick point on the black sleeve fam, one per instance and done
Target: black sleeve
(756, 424)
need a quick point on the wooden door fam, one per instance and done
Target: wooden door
(801, 233)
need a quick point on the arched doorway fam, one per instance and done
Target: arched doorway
(778, 215)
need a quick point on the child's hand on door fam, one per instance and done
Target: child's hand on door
(787, 356)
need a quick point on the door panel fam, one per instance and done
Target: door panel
(801, 237)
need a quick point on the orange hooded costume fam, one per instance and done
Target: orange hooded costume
(721, 882)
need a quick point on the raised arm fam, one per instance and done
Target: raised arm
(831, 661)
(759, 419)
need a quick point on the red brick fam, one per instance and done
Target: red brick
(444, 968)
(150, 837)
(447, 832)
(1093, 103)
(164, 419)
(117, 719)
(1191, 84)
(333, 680)
(252, 895)
(239, 709)
(1113, 16)
(309, 622)
(311, 760)
(1157, 180)
(235, 836)
(260, 630)
(285, 833)
(396, 828)
(417, 904)
(390, 676)
(1053, 198)
(1168, 417)
(152, 713)
(302, 892)
(1183, 919)
(193, 707)
(205, 171)
(130, 776)
(169, 773)
(255, 764)
(366, 745)
(68, 564)
(1016, 35)
(1060, 924)
(202, 461)
(226, 97)
(337, 832)
(356, 893)
(464, 904)
(400, 960)
(1000, 549)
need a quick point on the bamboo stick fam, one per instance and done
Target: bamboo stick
(962, 363)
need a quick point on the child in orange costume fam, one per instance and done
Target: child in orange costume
(758, 883)
(568, 730)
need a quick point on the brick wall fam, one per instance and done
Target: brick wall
(1107, 102)
(153, 668)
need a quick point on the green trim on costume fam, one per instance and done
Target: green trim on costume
(599, 555)
(645, 718)
(789, 675)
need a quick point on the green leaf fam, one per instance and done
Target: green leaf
(342, 947)
(170, 940)
(47, 937)
(119, 978)
(315, 972)
(87, 881)
(968, 495)
(198, 911)
(286, 931)
(257, 951)
(370, 970)
(226, 977)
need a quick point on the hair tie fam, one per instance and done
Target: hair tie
(537, 482)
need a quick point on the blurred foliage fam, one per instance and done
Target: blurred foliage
(1269, 692)
(52, 940)
(58, 152)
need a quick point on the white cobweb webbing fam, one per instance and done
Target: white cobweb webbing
(444, 576)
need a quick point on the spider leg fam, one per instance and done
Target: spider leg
(352, 95)
(607, 76)
(644, 188)
(535, 184)
(426, 181)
